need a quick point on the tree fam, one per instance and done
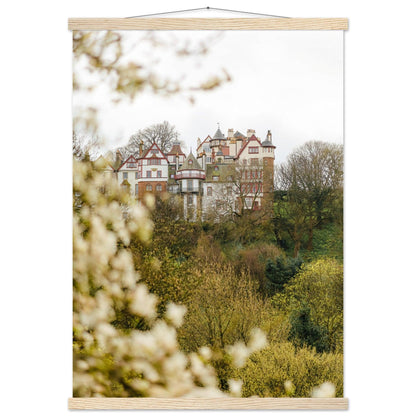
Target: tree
(163, 134)
(304, 332)
(239, 199)
(279, 272)
(224, 308)
(318, 286)
(312, 178)
(84, 147)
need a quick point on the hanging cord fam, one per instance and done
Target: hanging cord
(208, 8)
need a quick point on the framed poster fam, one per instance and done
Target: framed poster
(208, 223)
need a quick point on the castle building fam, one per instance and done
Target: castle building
(228, 174)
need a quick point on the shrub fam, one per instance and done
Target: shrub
(319, 286)
(267, 372)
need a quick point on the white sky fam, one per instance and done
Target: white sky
(289, 82)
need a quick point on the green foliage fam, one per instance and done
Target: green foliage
(167, 277)
(279, 272)
(319, 285)
(327, 242)
(171, 231)
(254, 259)
(267, 371)
(223, 308)
(304, 332)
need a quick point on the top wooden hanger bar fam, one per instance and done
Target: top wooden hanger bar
(103, 23)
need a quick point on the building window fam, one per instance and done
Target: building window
(172, 176)
(215, 178)
(190, 199)
(159, 187)
(125, 174)
(159, 173)
(131, 165)
(216, 168)
(154, 152)
(149, 174)
(149, 187)
(253, 149)
(136, 189)
(190, 162)
(137, 175)
(154, 161)
(254, 161)
(209, 191)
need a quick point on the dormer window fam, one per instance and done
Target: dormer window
(190, 162)
(216, 168)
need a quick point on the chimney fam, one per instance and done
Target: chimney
(119, 158)
(250, 132)
(141, 148)
(230, 133)
(269, 136)
(204, 160)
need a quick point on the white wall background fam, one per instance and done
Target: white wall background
(35, 228)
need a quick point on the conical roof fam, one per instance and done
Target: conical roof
(190, 163)
(268, 141)
(218, 135)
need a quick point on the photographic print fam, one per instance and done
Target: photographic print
(207, 214)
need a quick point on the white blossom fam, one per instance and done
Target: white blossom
(235, 387)
(175, 314)
(325, 390)
(143, 302)
(239, 353)
(257, 340)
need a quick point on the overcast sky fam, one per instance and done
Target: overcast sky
(289, 82)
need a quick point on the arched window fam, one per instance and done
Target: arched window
(149, 187)
(159, 187)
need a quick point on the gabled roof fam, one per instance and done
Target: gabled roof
(239, 135)
(190, 163)
(207, 139)
(154, 146)
(130, 159)
(176, 149)
(251, 139)
(103, 162)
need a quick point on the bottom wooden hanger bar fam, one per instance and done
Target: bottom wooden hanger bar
(228, 403)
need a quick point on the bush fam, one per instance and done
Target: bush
(267, 372)
(279, 272)
(319, 286)
(254, 260)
